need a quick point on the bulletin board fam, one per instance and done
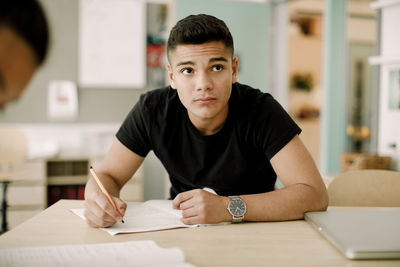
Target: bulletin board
(112, 44)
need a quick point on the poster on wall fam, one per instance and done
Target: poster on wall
(112, 44)
(394, 89)
(62, 100)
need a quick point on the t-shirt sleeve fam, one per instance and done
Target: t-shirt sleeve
(275, 128)
(133, 132)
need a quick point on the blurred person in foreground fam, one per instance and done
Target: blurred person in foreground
(24, 38)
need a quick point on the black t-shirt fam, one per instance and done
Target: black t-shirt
(233, 161)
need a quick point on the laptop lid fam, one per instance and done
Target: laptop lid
(360, 234)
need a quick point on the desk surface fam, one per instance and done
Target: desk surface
(293, 243)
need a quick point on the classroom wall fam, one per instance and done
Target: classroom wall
(248, 23)
(95, 104)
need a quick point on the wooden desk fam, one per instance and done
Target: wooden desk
(293, 243)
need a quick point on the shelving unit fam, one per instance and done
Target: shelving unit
(26, 193)
(156, 37)
(67, 177)
(39, 184)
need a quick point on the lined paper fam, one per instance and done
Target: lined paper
(133, 253)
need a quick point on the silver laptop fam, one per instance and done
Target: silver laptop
(360, 234)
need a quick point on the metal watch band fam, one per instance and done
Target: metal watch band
(236, 219)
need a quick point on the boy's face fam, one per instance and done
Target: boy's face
(17, 65)
(203, 75)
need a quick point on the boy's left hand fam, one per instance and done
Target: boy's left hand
(201, 207)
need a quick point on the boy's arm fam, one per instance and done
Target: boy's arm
(118, 166)
(304, 191)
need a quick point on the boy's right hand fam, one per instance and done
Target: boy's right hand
(99, 212)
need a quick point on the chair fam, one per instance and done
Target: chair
(370, 188)
(13, 151)
(13, 146)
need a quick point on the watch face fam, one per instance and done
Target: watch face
(237, 207)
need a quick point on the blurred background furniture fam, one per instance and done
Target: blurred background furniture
(372, 188)
(52, 164)
(13, 151)
(357, 161)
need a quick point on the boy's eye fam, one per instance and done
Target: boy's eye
(218, 68)
(187, 70)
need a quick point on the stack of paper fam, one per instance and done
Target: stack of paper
(134, 253)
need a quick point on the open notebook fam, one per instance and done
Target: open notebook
(147, 216)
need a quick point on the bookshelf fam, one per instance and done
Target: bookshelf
(67, 177)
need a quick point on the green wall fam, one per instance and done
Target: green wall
(248, 24)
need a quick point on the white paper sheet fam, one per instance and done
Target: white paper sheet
(148, 216)
(133, 253)
(62, 100)
(112, 43)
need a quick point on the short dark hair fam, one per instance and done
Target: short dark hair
(27, 19)
(199, 29)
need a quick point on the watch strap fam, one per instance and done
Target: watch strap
(236, 219)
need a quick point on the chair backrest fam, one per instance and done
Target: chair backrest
(13, 145)
(370, 188)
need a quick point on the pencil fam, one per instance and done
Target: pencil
(103, 189)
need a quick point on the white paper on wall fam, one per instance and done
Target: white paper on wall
(62, 100)
(112, 43)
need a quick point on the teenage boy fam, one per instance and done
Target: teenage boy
(210, 131)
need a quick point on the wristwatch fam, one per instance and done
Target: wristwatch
(237, 208)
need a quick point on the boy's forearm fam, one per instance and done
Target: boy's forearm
(289, 203)
(108, 182)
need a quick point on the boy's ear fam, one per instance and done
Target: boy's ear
(171, 76)
(235, 68)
